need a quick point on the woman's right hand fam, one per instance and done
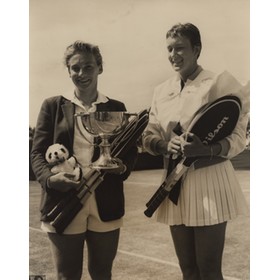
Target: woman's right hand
(174, 145)
(63, 182)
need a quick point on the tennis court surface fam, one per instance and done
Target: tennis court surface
(145, 249)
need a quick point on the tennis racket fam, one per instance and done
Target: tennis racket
(211, 123)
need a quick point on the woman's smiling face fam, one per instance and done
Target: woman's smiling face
(84, 71)
(182, 56)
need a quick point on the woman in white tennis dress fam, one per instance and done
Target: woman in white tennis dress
(209, 196)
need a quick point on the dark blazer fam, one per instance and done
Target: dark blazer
(55, 124)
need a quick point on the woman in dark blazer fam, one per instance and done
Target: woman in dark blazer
(99, 221)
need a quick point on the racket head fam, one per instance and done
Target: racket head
(216, 120)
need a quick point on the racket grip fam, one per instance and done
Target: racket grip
(67, 215)
(158, 191)
(56, 210)
(153, 205)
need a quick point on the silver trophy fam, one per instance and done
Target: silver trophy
(104, 124)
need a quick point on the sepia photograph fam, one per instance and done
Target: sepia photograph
(139, 140)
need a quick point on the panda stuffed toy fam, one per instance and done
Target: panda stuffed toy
(57, 156)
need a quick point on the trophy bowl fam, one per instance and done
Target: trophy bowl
(104, 124)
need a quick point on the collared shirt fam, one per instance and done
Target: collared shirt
(171, 105)
(84, 141)
(101, 98)
(191, 77)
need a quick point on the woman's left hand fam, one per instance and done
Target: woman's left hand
(120, 169)
(194, 147)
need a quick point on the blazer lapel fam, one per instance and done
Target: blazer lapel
(104, 106)
(68, 111)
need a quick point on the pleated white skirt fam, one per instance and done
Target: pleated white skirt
(208, 196)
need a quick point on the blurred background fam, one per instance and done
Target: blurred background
(131, 37)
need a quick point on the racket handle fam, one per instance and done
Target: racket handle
(67, 215)
(56, 210)
(157, 193)
(158, 199)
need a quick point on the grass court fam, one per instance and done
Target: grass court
(145, 249)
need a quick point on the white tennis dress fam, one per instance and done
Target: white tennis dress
(211, 194)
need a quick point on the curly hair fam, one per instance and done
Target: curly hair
(83, 47)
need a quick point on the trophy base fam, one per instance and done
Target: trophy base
(105, 164)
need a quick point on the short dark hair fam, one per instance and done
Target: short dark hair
(187, 30)
(83, 47)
